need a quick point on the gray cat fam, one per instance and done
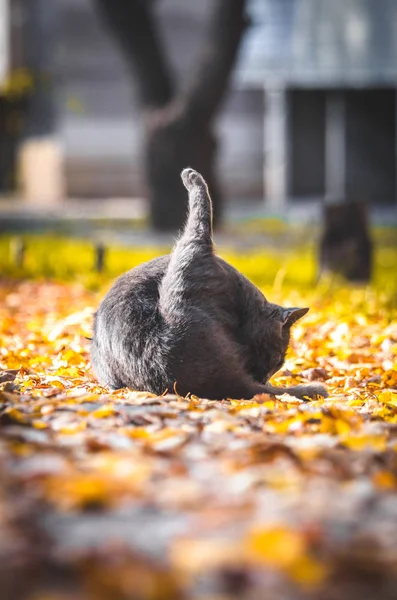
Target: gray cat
(191, 322)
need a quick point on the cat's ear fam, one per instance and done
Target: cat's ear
(291, 315)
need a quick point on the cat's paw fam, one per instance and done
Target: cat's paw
(191, 178)
(312, 390)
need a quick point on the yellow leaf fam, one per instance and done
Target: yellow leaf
(388, 397)
(16, 415)
(107, 410)
(71, 428)
(385, 479)
(361, 442)
(78, 491)
(275, 546)
(342, 428)
(39, 424)
(307, 571)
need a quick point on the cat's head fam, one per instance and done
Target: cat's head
(276, 337)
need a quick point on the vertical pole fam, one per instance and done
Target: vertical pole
(275, 148)
(18, 250)
(100, 255)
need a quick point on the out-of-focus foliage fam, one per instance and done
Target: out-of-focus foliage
(126, 495)
(19, 83)
(69, 259)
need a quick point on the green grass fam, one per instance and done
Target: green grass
(67, 259)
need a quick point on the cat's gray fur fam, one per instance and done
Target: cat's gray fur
(192, 321)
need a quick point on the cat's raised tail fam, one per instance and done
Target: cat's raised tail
(199, 223)
(189, 259)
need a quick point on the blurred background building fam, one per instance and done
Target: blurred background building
(311, 114)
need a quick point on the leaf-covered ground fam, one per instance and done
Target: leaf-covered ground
(119, 496)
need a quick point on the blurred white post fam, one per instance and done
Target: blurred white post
(275, 147)
(41, 171)
(4, 40)
(335, 147)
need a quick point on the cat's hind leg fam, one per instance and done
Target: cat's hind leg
(303, 391)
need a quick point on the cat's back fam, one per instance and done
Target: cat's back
(134, 294)
(127, 326)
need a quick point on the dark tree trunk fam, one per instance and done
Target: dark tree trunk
(179, 126)
(39, 35)
(133, 25)
(173, 143)
(11, 114)
(346, 246)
